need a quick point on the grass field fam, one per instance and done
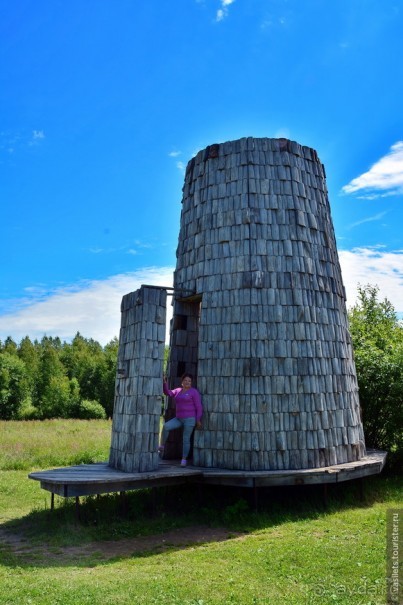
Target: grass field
(187, 549)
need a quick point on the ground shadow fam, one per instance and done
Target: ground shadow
(151, 521)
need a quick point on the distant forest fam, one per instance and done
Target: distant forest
(55, 379)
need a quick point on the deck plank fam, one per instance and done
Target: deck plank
(99, 478)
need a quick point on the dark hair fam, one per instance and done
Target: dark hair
(187, 375)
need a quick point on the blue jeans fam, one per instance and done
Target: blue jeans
(176, 423)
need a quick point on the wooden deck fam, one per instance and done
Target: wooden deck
(99, 478)
(371, 464)
(90, 479)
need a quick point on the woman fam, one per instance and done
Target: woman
(188, 413)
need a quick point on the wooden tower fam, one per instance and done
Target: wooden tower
(259, 311)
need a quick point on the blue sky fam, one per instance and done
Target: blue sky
(103, 103)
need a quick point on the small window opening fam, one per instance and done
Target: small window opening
(180, 322)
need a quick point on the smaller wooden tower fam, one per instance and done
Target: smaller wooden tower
(138, 392)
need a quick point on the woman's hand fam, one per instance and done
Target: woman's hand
(198, 424)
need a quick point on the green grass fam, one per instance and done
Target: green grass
(294, 551)
(31, 444)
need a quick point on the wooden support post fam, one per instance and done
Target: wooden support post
(78, 516)
(52, 501)
(153, 500)
(255, 496)
(361, 489)
(325, 495)
(124, 507)
(200, 492)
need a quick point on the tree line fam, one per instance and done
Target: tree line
(55, 379)
(50, 378)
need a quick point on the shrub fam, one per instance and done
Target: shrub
(28, 411)
(88, 410)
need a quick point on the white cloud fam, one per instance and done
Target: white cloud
(174, 154)
(36, 138)
(376, 267)
(91, 308)
(376, 196)
(12, 142)
(369, 219)
(282, 133)
(266, 24)
(181, 166)
(141, 245)
(271, 22)
(134, 248)
(386, 175)
(223, 11)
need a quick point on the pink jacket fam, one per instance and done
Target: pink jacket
(188, 403)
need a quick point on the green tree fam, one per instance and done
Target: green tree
(30, 355)
(94, 368)
(377, 337)
(56, 395)
(108, 377)
(14, 386)
(60, 398)
(166, 358)
(9, 346)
